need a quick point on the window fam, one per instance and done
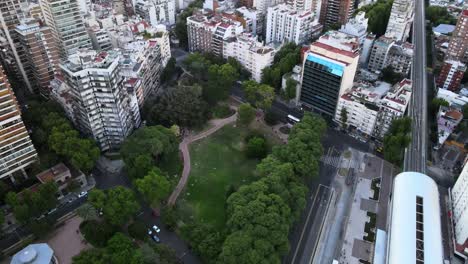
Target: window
(419, 230)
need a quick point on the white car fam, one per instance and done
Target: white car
(82, 194)
(156, 229)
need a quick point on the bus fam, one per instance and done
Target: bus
(293, 120)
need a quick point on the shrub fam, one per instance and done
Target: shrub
(222, 111)
(169, 217)
(137, 230)
(256, 148)
(97, 232)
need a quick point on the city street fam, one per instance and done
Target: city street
(416, 153)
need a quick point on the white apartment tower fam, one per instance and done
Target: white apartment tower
(302, 5)
(157, 11)
(102, 106)
(459, 194)
(401, 18)
(68, 28)
(284, 24)
(254, 56)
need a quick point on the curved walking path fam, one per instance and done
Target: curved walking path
(183, 147)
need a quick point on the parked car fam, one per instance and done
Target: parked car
(156, 229)
(82, 194)
(154, 237)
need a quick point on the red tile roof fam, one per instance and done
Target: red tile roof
(336, 50)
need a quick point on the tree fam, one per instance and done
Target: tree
(378, 15)
(390, 76)
(256, 148)
(118, 204)
(290, 91)
(145, 144)
(180, 105)
(246, 114)
(154, 187)
(436, 103)
(137, 230)
(285, 60)
(439, 15)
(87, 212)
(121, 250)
(261, 95)
(169, 70)
(97, 232)
(344, 117)
(90, 256)
(397, 139)
(220, 80)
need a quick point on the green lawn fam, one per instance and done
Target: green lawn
(217, 163)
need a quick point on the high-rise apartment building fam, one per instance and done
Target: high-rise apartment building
(285, 24)
(16, 149)
(40, 56)
(263, 5)
(459, 197)
(102, 106)
(206, 33)
(64, 19)
(333, 12)
(357, 27)
(450, 75)
(10, 53)
(328, 71)
(401, 18)
(458, 46)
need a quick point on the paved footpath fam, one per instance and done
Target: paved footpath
(216, 124)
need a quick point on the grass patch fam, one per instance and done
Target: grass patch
(375, 186)
(219, 166)
(369, 228)
(343, 172)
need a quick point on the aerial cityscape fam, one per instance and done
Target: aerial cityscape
(234, 131)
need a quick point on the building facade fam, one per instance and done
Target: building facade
(16, 149)
(400, 21)
(336, 12)
(10, 52)
(459, 197)
(357, 27)
(284, 24)
(68, 28)
(458, 46)
(102, 107)
(157, 11)
(253, 55)
(40, 56)
(361, 105)
(207, 33)
(386, 52)
(392, 106)
(450, 75)
(328, 71)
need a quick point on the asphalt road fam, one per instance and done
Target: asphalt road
(416, 153)
(310, 234)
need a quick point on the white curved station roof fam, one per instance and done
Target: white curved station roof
(402, 234)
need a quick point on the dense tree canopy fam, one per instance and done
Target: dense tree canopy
(439, 15)
(378, 15)
(390, 76)
(397, 139)
(285, 60)
(118, 204)
(180, 105)
(260, 214)
(144, 148)
(28, 205)
(261, 95)
(154, 187)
